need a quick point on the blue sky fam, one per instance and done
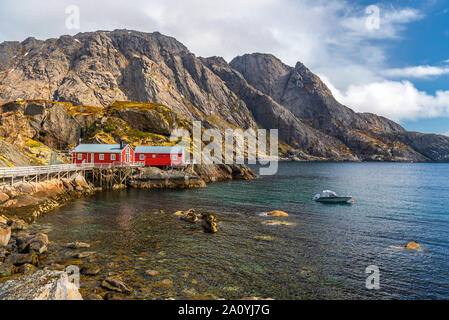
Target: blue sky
(395, 68)
(425, 42)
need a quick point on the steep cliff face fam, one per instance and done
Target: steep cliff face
(86, 77)
(368, 136)
(99, 68)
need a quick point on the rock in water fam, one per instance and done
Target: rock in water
(279, 223)
(165, 284)
(115, 283)
(82, 255)
(413, 246)
(90, 270)
(209, 223)
(152, 273)
(41, 285)
(264, 238)
(190, 216)
(77, 245)
(277, 213)
(5, 235)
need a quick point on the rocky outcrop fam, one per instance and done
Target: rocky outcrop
(5, 235)
(155, 178)
(208, 221)
(29, 200)
(221, 172)
(41, 285)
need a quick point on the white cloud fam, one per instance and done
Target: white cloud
(394, 100)
(416, 72)
(329, 36)
(446, 134)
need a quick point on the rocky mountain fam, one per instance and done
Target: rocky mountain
(77, 87)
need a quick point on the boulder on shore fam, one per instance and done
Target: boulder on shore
(17, 224)
(5, 235)
(41, 285)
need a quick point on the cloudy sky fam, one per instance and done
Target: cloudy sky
(387, 57)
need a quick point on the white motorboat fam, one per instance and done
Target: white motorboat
(328, 196)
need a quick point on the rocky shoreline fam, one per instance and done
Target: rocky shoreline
(24, 253)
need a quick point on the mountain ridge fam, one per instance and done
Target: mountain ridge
(252, 91)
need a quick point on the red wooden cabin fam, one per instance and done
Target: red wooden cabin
(160, 156)
(103, 154)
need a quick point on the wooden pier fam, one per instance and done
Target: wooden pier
(97, 172)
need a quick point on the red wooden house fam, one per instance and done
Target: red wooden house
(103, 154)
(160, 156)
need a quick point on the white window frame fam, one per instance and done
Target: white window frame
(113, 157)
(174, 157)
(80, 156)
(101, 157)
(142, 157)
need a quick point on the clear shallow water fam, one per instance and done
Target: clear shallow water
(323, 256)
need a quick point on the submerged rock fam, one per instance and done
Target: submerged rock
(77, 245)
(41, 285)
(277, 213)
(115, 283)
(82, 255)
(90, 270)
(279, 223)
(164, 284)
(264, 238)
(152, 273)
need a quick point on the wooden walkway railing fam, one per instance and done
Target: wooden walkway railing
(22, 172)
